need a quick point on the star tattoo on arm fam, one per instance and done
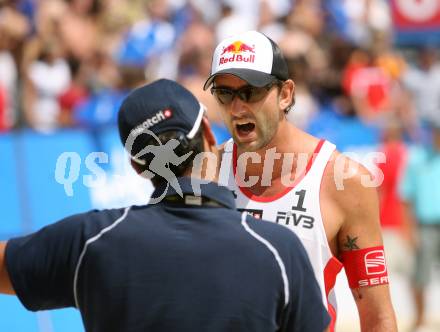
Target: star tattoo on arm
(350, 244)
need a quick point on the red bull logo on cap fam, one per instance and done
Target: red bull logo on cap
(237, 49)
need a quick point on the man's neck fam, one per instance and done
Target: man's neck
(283, 160)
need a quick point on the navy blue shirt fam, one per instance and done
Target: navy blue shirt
(171, 266)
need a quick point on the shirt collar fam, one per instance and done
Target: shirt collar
(197, 187)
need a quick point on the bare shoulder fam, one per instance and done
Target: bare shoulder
(348, 182)
(352, 190)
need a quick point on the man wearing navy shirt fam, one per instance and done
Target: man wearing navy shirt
(187, 261)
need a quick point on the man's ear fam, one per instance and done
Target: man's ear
(207, 132)
(287, 94)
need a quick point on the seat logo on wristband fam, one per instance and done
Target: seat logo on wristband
(375, 262)
(365, 267)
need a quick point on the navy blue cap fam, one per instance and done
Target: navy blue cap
(161, 106)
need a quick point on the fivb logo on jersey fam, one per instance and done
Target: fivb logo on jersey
(297, 216)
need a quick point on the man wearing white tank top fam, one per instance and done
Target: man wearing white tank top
(282, 174)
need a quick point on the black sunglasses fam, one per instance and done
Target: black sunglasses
(247, 93)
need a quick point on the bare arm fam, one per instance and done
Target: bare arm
(361, 229)
(411, 232)
(5, 282)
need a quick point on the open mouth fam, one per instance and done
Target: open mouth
(245, 129)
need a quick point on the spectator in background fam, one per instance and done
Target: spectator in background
(195, 47)
(423, 82)
(326, 81)
(149, 37)
(372, 80)
(48, 16)
(47, 77)
(235, 18)
(269, 21)
(420, 189)
(13, 28)
(396, 231)
(8, 82)
(98, 112)
(368, 85)
(357, 21)
(308, 17)
(394, 65)
(108, 88)
(304, 58)
(305, 106)
(79, 27)
(75, 94)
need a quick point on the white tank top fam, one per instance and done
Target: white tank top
(297, 208)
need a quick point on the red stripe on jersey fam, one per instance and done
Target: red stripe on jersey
(332, 313)
(331, 270)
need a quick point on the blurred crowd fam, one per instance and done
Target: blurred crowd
(69, 63)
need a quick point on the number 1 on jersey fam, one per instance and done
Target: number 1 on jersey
(300, 205)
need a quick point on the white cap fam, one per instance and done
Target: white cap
(251, 56)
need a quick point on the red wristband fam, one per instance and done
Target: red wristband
(365, 267)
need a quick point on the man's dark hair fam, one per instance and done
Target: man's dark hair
(194, 145)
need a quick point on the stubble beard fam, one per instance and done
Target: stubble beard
(257, 145)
